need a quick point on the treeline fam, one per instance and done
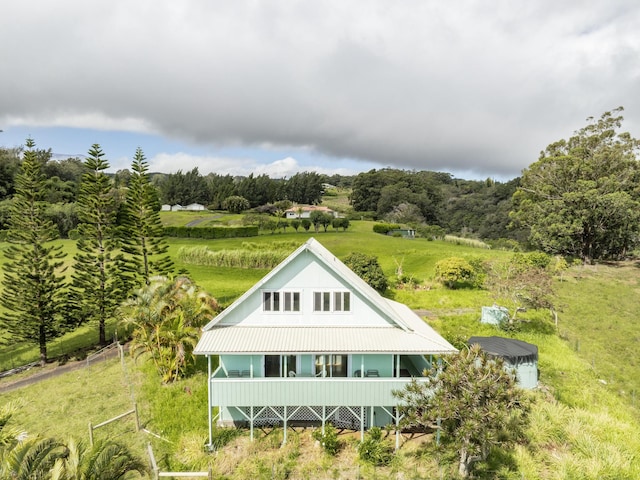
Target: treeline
(212, 190)
(474, 208)
(63, 179)
(120, 247)
(471, 208)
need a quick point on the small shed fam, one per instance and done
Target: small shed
(519, 355)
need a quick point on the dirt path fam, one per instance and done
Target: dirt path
(37, 374)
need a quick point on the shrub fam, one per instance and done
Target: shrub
(374, 449)
(454, 272)
(340, 223)
(235, 204)
(367, 268)
(328, 440)
(385, 228)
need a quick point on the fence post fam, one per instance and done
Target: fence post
(135, 411)
(152, 459)
(90, 434)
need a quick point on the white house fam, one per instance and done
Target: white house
(312, 343)
(304, 211)
(195, 207)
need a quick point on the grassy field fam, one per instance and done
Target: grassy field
(584, 421)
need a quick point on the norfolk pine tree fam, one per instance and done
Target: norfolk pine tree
(474, 401)
(142, 240)
(97, 288)
(32, 294)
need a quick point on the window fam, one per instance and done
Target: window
(291, 301)
(285, 301)
(280, 365)
(331, 365)
(271, 301)
(342, 301)
(322, 301)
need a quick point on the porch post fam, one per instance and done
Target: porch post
(362, 423)
(284, 438)
(324, 417)
(397, 412)
(251, 424)
(209, 400)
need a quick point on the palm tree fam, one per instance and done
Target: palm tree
(31, 459)
(106, 460)
(9, 435)
(165, 319)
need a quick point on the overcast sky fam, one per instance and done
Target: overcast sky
(475, 88)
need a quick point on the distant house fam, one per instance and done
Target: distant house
(403, 232)
(166, 207)
(313, 343)
(194, 207)
(304, 211)
(177, 207)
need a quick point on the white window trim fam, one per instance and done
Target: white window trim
(332, 305)
(281, 301)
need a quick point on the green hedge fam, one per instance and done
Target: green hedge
(211, 232)
(385, 228)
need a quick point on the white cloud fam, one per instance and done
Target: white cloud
(470, 86)
(284, 168)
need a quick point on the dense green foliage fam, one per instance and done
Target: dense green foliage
(165, 318)
(581, 198)
(183, 188)
(32, 283)
(367, 267)
(375, 449)
(9, 166)
(473, 208)
(235, 204)
(328, 439)
(50, 459)
(474, 401)
(382, 190)
(455, 272)
(385, 228)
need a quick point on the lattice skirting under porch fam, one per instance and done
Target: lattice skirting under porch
(340, 417)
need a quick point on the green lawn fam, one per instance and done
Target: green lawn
(585, 419)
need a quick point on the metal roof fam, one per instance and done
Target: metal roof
(245, 340)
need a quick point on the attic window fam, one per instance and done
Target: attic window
(291, 301)
(277, 301)
(341, 301)
(271, 301)
(331, 301)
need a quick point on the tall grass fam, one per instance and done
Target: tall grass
(470, 242)
(232, 258)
